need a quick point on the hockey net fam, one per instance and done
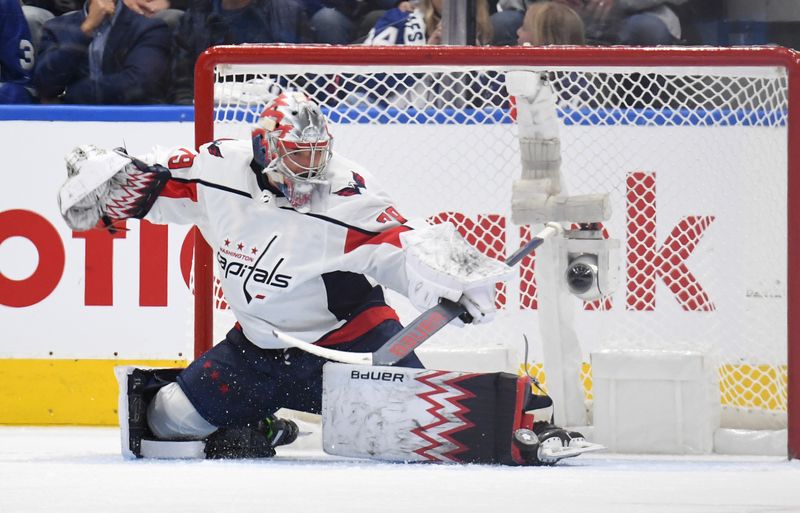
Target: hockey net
(692, 145)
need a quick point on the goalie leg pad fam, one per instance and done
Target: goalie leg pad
(137, 387)
(141, 389)
(400, 414)
(171, 416)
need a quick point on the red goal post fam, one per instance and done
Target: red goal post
(640, 96)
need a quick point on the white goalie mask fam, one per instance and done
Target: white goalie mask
(292, 144)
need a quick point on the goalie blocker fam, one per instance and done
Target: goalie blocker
(419, 415)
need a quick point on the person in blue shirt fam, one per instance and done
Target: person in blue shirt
(103, 54)
(16, 54)
(420, 23)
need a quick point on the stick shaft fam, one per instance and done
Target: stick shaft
(418, 331)
(325, 352)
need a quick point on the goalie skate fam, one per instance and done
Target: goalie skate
(548, 444)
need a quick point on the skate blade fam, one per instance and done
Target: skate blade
(555, 453)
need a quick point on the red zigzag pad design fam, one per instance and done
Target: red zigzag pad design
(448, 412)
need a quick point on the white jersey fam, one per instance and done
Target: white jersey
(304, 274)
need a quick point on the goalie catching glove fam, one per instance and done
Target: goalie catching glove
(108, 186)
(441, 264)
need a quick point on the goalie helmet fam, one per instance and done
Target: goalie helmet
(292, 144)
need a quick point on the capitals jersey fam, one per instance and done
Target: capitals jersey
(398, 27)
(310, 275)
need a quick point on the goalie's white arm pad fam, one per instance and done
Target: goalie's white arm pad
(439, 263)
(530, 205)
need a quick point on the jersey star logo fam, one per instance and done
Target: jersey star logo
(354, 186)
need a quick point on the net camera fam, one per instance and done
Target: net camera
(592, 263)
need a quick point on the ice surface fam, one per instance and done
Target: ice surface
(80, 470)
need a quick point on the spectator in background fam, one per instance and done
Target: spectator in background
(507, 20)
(215, 22)
(551, 23)
(103, 54)
(16, 54)
(39, 12)
(555, 23)
(169, 11)
(608, 22)
(631, 22)
(344, 21)
(409, 25)
(56, 7)
(420, 25)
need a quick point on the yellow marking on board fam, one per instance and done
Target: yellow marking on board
(760, 387)
(63, 392)
(84, 391)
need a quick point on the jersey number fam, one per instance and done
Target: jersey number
(387, 37)
(181, 160)
(26, 55)
(389, 214)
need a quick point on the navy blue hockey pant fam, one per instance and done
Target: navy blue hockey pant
(237, 383)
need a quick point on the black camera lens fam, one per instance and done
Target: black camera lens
(580, 277)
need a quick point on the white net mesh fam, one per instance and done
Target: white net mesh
(695, 161)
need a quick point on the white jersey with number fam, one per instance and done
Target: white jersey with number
(304, 274)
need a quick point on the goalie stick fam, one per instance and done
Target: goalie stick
(420, 329)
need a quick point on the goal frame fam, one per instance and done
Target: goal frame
(509, 56)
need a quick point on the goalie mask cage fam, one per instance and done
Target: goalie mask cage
(698, 147)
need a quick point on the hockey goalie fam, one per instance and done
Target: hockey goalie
(305, 242)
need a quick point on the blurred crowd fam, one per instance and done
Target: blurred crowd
(143, 51)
